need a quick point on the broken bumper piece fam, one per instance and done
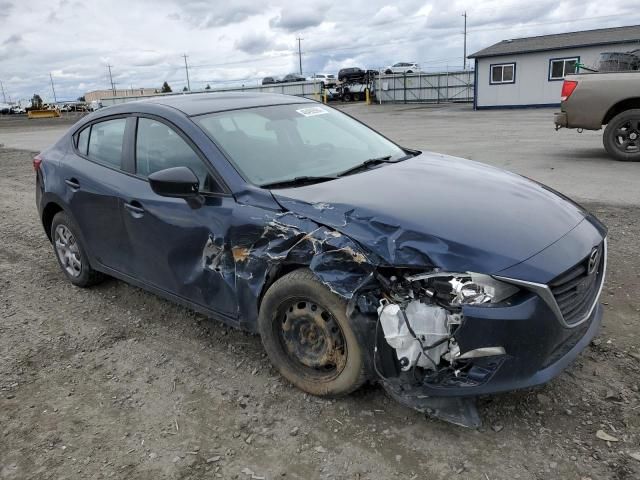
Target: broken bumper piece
(534, 348)
(460, 411)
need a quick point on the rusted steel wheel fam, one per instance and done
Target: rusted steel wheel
(308, 337)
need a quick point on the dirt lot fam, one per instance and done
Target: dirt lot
(113, 382)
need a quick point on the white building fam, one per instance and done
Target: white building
(528, 72)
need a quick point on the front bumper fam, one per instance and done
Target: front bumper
(538, 341)
(538, 349)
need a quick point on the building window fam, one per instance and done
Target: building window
(503, 73)
(559, 67)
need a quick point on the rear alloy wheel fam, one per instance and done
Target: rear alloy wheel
(70, 252)
(308, 336)
(622, 136)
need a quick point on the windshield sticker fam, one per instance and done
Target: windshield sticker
(312, 111)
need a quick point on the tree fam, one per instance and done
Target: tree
(208, 87)
(36, 102)
(185, 89)
(165, 88)
(81, 99)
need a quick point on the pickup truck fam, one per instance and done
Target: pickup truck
(591, 100)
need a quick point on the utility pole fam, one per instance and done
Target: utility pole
(464, 57)
(113, 88)
(186, 69)
(300, 53)
(55, 100)
(4, 97)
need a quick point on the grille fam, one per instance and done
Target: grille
(576, 290)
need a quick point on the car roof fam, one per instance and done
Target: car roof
(201, 103)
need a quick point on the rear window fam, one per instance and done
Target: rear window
(105, 142)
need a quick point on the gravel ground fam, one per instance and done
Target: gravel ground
(113, 382)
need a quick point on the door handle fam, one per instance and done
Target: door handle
(73, 183)
(134, 208)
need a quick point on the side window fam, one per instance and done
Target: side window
(503, 73)
(83, 140)
(105, 142)
(158, 147)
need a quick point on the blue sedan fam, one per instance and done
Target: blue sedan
(354, 258)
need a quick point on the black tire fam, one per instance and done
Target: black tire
(301, 295)
(84, 276)
(388, 72)
(347, 97)
(409, 71)
(621, 138)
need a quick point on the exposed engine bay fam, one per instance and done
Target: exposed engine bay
(419, 315)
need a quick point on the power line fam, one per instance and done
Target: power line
(55, 100)
(186, 69)
(527, 25)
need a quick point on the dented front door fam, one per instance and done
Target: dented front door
(176, 247)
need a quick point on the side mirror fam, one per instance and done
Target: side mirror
(176, 182)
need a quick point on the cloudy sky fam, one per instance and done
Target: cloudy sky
(243, 40)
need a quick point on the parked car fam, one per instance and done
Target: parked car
(268, 80)
(292, 77)
(17, 109)
(591, 100)
(402, 67)
(327, 79)
(94, 105)
(448, 294)
(352, 74)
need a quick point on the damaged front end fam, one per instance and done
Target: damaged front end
(416, 346)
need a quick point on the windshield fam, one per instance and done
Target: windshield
(283, 142)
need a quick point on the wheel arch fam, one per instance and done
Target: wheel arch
(48, 212)
(275, 274)
(626, 104)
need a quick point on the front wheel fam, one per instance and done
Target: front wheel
(622, 136)
(309, 338)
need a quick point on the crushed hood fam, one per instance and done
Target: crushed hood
(435, 210)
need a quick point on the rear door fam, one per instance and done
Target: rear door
(176, 244)
(93, 175)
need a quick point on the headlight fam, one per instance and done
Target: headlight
(467, 288)
(476, 288)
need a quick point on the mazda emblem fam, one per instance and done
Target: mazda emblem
(594, 258)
